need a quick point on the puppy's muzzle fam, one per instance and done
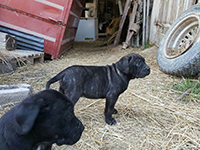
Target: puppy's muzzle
(144, 72)
(77, 131)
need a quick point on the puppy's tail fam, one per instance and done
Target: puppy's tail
(55, 79)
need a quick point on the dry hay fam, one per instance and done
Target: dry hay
(7, 54)
(3, 55)
(7, 58)
(148, 115)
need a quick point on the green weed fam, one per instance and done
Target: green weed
(186, 84)
(147, 45)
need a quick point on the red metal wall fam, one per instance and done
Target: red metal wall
(54, 20)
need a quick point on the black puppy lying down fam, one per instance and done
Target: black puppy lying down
(101, 81)
(43, 118)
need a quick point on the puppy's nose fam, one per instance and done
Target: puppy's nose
(148, 69)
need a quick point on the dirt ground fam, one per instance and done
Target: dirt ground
(148, 115)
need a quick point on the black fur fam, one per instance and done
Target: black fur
(42, 119)
(101, 81)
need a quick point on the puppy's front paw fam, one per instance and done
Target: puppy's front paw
(111, 121)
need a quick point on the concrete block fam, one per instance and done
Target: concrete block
(14, 93)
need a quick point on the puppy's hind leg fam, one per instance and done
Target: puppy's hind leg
(73, 95)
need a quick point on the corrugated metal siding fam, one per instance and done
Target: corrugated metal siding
(164, 13)
(25, 41)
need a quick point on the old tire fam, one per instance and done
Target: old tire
(179, 50)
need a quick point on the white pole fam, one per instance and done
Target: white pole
(143, 28)
(138, 35)
(147, 24)
(120, 7)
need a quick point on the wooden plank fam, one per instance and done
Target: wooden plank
(144, 24)
(131, 29)
(191, 3)
(173, 8)
(158, 4)
(180, 8)
(154, 18)
(30, 57)
(147, 23)
(127, 6)
(10, 63)
(165, 13)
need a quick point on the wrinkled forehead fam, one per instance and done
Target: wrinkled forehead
(136, 56)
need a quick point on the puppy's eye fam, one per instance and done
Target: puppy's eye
(138, 64)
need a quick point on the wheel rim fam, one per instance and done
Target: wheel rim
(181, 37)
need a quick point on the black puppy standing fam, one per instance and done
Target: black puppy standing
(41, 119)
(101, 81)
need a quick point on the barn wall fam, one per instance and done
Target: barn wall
(164, 13)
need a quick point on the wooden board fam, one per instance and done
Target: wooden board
(163, 15)
(9, 64)
(31, 56)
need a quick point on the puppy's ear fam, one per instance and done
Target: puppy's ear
(27, 113)
(124, 64)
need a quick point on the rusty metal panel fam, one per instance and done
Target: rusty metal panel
(40, 8)
(48, 19)
(71, 26)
